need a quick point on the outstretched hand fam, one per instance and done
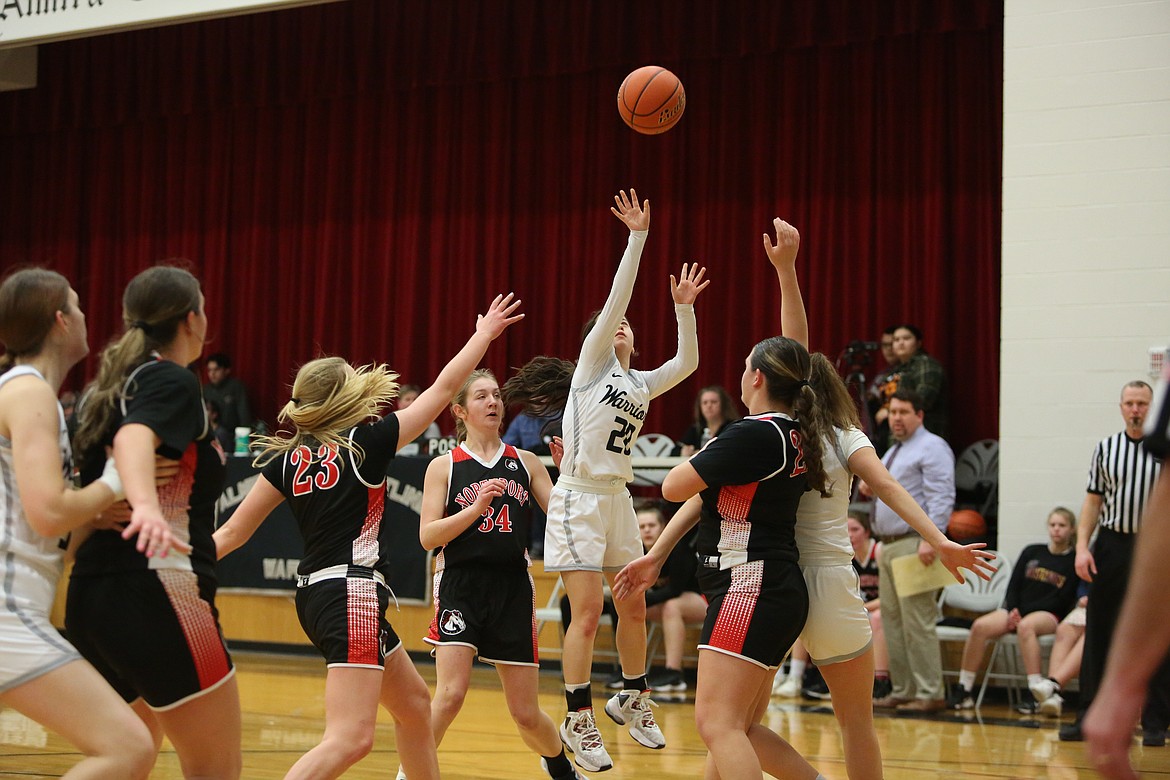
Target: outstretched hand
(782, 252)
(499, 316)
(957, 556)
(636, 577)
(636, 217)
(691, 284)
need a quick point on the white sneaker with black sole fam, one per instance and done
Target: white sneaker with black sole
(632, 708)
(580, 735)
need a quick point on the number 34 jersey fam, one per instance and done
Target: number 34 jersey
(338, 499)
(500, 536)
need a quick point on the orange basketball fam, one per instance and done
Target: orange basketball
(966, 524)
(651, 100)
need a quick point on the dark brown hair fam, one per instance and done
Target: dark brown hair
(541, 386)
(29, 302)
(154, 304)
(785, 364)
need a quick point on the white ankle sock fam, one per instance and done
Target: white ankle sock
(796, 669)
(967, 679)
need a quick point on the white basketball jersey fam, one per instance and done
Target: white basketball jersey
(607, 404)
(822, 530)
(28, 559)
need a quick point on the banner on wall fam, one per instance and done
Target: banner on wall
(269, 560)
(26, 22)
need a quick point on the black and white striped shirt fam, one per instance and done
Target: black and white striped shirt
(1123, 473)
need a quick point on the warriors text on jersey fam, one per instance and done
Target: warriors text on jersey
(166, 398)
(339, 505)
(756, 475)
(607, 404)
(500, 536)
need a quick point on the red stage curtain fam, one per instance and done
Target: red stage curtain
(360, 178)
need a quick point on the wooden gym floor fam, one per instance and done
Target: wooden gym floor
(283, 715)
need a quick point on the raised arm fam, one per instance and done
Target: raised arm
(782, 254)
(684, 291)
(414, 419)
(599, 343)
(252, 511)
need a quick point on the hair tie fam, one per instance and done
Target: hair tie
(295, 401)
(141, 325)
(804, 383)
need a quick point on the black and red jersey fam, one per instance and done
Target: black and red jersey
(755, 475)
(167, 398)
(500, 536)
(339, 498)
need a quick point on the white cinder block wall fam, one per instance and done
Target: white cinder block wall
(1086, 238)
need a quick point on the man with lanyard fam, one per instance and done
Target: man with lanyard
(1121, 475)
(925, 465)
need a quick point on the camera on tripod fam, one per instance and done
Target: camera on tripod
(858, 354)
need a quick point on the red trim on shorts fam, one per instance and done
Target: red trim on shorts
(198, 625)
(361, 609)
(739, 604)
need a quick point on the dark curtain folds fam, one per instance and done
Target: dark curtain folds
(360, 178)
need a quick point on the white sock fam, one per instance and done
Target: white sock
(1034, 680)
(967, 679)
(796, 668)
(576, 686)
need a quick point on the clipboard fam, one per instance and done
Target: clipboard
(912, 578)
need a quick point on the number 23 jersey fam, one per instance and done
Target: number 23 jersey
(339, 505)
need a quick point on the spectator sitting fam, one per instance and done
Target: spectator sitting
(866, 555)
(919, 373)
(1064, 663)
(228, 393)
(713, 409)
(406, 396)
(675, 600)
(1042, 590)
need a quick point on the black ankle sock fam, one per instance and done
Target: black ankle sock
(580, 699)
(559, 766)
(636, 683)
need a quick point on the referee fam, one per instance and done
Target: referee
(1122, 474)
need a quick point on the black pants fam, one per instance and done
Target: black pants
(1113, 553)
